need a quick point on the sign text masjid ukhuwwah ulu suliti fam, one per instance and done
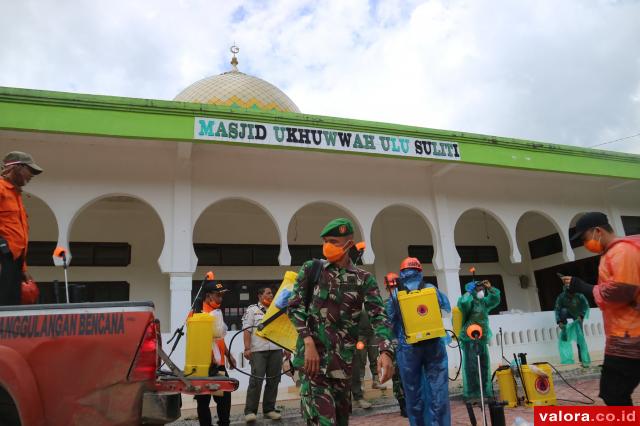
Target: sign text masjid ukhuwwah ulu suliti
(326, 139)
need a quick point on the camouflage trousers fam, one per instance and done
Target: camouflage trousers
(325, 401)
(398, 390)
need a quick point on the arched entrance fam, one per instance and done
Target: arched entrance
(239, 241)
(397, 232)
(482, 243)
(115, 242)
(303, 235)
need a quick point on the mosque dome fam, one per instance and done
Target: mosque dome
(234, 88)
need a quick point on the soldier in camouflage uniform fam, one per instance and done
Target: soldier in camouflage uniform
(328, 328)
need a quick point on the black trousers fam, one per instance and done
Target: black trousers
(620, 376)
(10, 279)
(223, 403)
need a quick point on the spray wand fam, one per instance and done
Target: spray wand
(61, 253)
(209, 276)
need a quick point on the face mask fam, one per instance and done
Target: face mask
(594, 246)
(213, 304)
(266, 302)
(480, 294)
(411, 278)
(334, 253)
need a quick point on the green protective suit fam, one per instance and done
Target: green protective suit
(572, 306)
(476, 311)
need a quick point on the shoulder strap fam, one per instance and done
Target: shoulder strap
(422, 284)
(311, 281)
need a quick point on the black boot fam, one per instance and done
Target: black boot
(403, 407)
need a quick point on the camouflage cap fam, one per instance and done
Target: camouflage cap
(18, 157)
(339, 227)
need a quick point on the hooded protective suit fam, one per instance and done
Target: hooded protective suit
(576, 307)
(475, 310)
(423, 366)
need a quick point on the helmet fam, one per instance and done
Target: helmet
(391, 280)
(411, 263)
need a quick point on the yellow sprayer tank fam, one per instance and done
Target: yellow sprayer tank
(199, 341)
(540, 389)
(421, 314)
(456, 320)
(507, 386)
(280, 331)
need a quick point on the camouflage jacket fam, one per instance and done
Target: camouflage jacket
(334, 314)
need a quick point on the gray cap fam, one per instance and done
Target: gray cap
(17, 157)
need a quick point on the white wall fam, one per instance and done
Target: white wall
(178, 182)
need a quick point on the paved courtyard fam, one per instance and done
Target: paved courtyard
(385, 411)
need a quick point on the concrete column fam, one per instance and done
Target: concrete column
(178, 258)
(63, 238)
(180, 285)
(282, 217)
(615, 218)
(366, 223)
(446, 260)
(451, 279)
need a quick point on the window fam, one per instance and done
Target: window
(496, 281)
(631, 225)
(549, 285)
(83, 253)
(237, 254)
(96, 291)
(422, 253)
(477, 254)
(468, 254)
(545, 246)
(302, 253)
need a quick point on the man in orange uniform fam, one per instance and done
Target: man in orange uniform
(17, 170)
(618, 296)
(211, 304)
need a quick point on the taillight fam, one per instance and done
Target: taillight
(145, 363)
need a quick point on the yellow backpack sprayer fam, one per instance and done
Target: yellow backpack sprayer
(199, 337)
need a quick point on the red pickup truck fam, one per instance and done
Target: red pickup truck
(90, 364)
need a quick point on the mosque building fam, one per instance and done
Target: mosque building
(231, 176)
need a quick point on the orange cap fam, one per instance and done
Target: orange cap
(209, 276)
(472, 269)
(411, 262)
(59, 251)
(361, 246)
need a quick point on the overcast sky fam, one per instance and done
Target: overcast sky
(559, 71)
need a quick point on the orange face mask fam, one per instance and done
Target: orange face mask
(594, 246)
(334, 253)
(213, 305)
(266, 302)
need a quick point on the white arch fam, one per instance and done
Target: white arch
(420, 214)
(368, 258)
(339, 206)
(50, 210)
(65, 232)
(509, 229)
(243, 199)
(567, 253)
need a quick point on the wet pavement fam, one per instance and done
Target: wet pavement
(386, 412)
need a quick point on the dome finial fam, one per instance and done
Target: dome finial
(234, 61)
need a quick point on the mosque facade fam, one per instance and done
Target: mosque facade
(231, 176)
